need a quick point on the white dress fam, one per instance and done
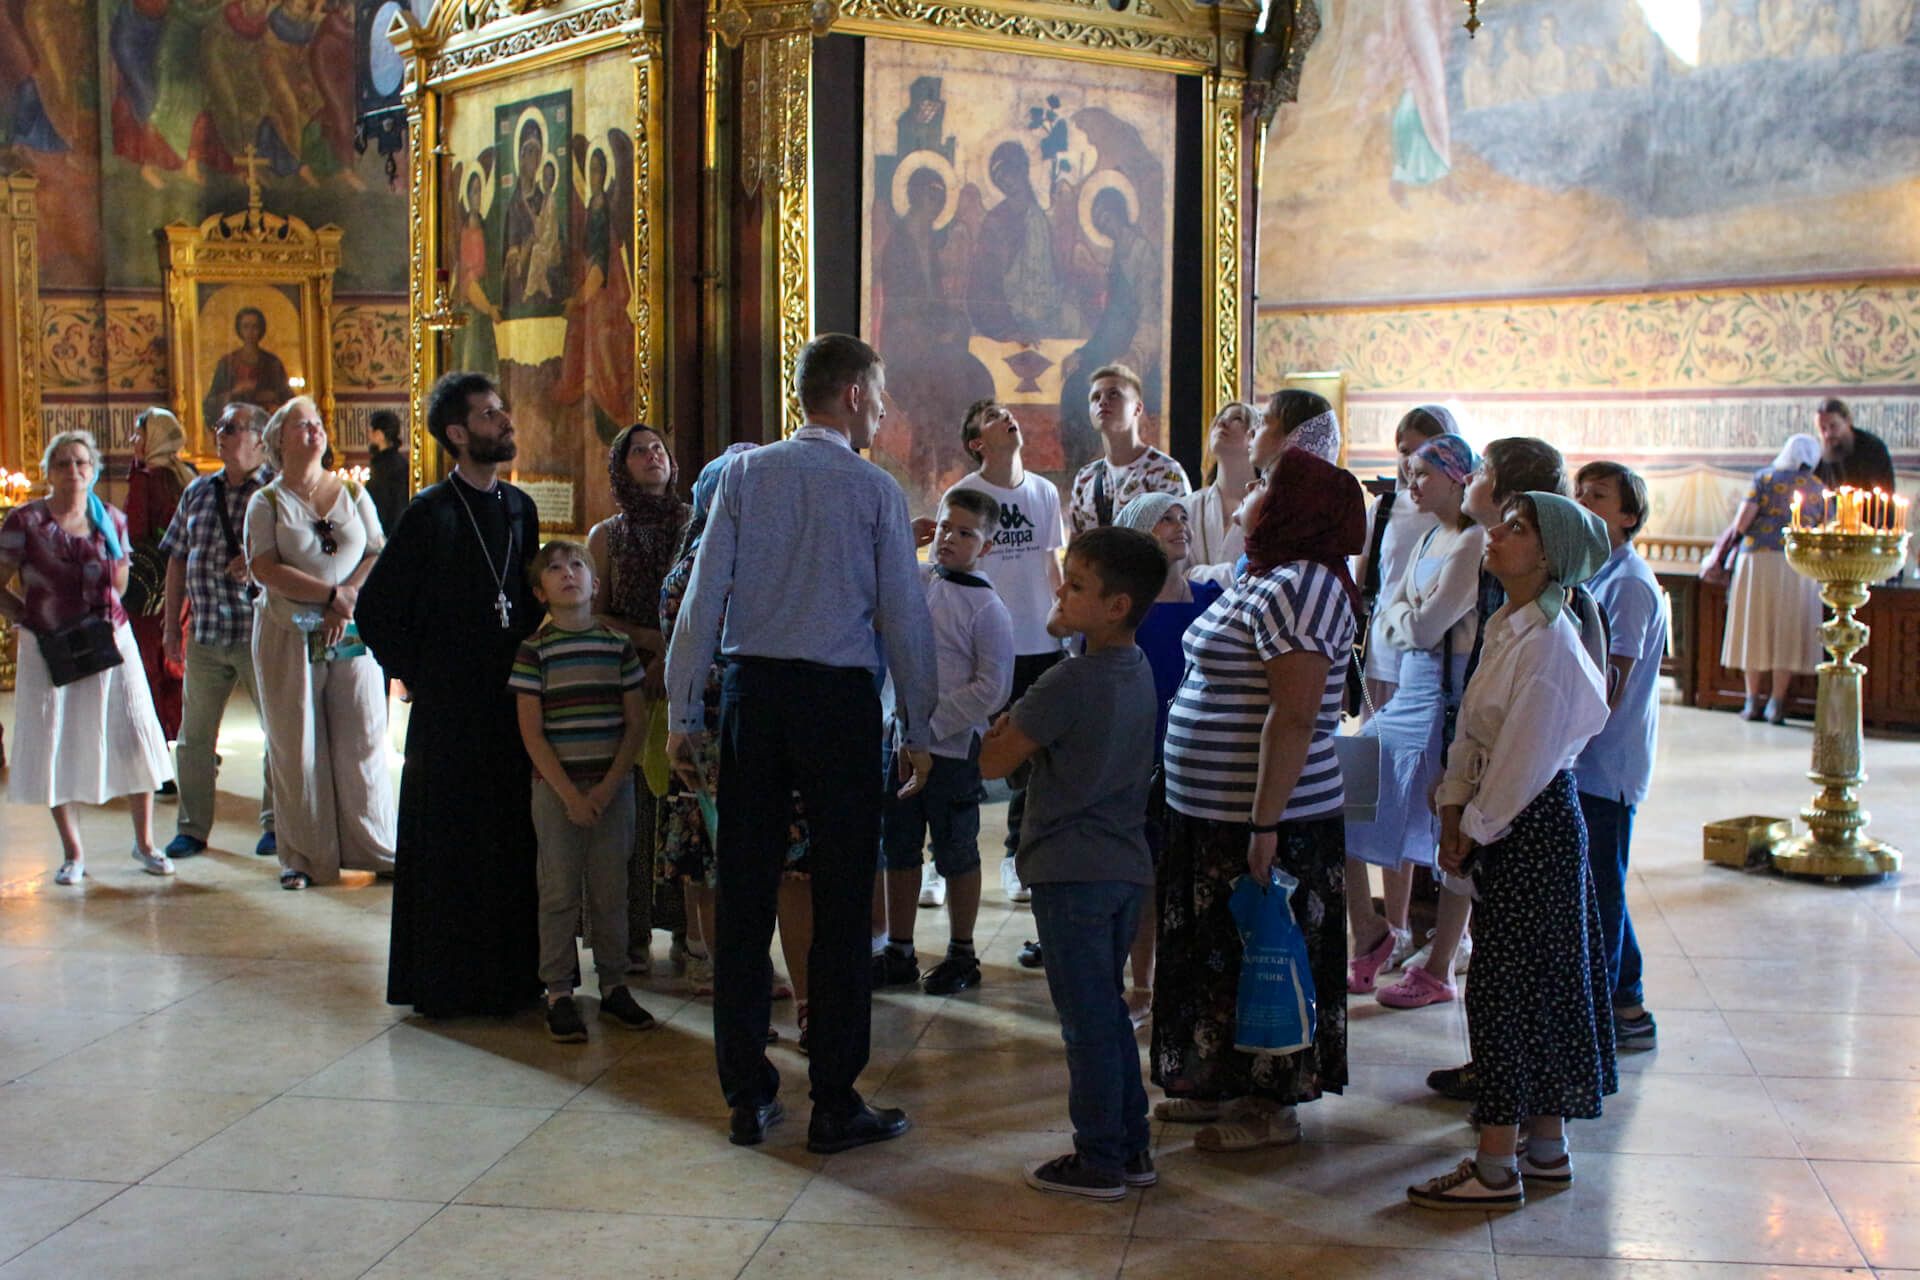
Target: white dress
(326, 722)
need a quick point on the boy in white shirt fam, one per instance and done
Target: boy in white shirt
(1024, 567)
(973, 644)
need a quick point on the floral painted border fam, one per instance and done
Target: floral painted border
(1747, 338)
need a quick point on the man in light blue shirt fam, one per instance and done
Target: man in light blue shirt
(1614, 770)
(807, 554)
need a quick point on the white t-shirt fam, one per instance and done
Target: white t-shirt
(1029, 536)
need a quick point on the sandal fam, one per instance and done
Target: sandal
(294, 880)
(1366, 966)
(1279, 1127)
(1190, 1110)
(1417, 990)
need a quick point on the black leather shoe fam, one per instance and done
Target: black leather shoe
(750, 1124)
(827, 1134)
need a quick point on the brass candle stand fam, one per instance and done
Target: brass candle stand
(1837, 846)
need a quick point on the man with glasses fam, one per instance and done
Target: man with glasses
(207, 572)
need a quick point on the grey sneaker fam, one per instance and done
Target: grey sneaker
(1067, 1176)
(1635, 1035)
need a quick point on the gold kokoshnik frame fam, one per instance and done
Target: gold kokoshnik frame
(536, 136)
(775, 80)
(249, 312)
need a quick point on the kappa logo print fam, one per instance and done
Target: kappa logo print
(1016, 530)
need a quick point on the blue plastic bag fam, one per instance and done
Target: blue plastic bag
(1275, 1011)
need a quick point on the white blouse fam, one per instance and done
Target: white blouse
(279, 521)
(1213, 542)
(1406, 525)
(1533, 702)
(1424, 607)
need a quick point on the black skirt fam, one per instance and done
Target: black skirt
(1538, 1008)
(1197, 990)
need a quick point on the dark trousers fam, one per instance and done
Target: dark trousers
(1027, 668)
(1609, 833)
(1086, 929)
(787, 727)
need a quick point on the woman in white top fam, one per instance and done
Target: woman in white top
(1398, 525)
(1429, 624)
(312, 538)
(1217, 537)
(1538, 1009)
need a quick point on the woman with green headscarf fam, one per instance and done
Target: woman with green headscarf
(1538, 1008)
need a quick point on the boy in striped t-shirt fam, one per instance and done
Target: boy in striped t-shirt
(583, 720)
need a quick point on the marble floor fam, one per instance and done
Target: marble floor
(200, 1077)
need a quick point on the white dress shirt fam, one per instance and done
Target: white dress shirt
(1533, 702)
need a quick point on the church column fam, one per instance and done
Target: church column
(1221, 305)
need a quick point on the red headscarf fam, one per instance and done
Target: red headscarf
(1312, 511)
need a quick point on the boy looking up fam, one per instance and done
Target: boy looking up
(1130, 466)
(1024, 568)
(1615, 770)
(1088, 727)
(583, 720)
(973, 654)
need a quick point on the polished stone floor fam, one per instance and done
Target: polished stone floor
(200, 1077)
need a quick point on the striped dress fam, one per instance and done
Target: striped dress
(1212, 768)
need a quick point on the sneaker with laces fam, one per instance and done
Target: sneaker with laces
(1462, 956)
(563, 1021)
(933, 886)
(1415, 990)
(952, 975)
(70, 873)
(1067, 1176)
(1462, 1188)
(1254, 1125)
(1010, 882)
(1634, 1035)
(153, 862)
(1456, 1084)
(1551, 1171)
(618, 1005)
(893, 969)
(1138, 1171)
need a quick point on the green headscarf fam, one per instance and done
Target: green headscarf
(1575, 543)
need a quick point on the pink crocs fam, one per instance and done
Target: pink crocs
(1416, 990)
(1363, 968)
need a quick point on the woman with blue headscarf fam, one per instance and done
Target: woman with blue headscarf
(1539, 1008)
(686, 818)
(1428, 620)
(1773, 614)
(84, 727)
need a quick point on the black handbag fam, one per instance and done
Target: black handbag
(84, 649)
(146, 591)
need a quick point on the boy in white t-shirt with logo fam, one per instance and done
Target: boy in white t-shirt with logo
(1024, 567)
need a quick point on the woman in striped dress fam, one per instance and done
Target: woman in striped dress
(1252, 783)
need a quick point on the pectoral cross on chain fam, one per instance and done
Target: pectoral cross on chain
(505, 610)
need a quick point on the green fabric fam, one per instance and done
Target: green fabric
(1415, 162)
(1575, 543)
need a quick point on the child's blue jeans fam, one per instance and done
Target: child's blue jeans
(1086, 931)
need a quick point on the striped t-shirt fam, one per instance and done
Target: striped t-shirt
(1213, 731)
(581, 679)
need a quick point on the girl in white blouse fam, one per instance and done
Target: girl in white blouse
(1429, 623)
(1538, 1007)
(312, 538)
(1217, 536)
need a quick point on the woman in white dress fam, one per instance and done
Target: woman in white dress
(1217, 536)
(1394, 524)
(1429, 623)
(89, 738)
(312, 538)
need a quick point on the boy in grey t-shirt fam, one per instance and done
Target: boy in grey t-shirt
(1088, 727)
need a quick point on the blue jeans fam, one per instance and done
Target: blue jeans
(1609, 834)
(1086, 929)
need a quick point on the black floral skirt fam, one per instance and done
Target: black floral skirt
(1198, 984)
(1539, 1011)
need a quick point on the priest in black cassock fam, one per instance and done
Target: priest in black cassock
(445, 611)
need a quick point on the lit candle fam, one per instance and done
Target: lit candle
(1826, 497)
(1796, 511)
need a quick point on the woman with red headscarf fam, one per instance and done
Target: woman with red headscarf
(1253, 783)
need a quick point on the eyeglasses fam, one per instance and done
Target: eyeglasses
(323, 529)
(229, 427)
